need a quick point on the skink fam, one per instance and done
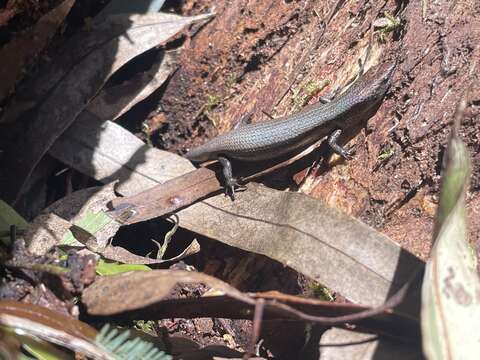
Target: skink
(277, 137)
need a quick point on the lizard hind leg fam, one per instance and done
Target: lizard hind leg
(230, 182)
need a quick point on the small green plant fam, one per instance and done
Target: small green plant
(145, 326)
(212, 102)
(147, 132)
(231, 80)
(386, 154)
(123, 348)
(386, 24)
(304, 94)
(168, 236)
(322, 293)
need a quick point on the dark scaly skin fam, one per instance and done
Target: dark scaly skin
(277, 137)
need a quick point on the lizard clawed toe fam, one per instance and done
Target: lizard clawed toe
(232, 186)
(347, 154)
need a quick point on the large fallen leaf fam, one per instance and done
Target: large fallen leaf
(129, 36)
(451, 288)
(92, 147)
(332, 248)
(150, 287)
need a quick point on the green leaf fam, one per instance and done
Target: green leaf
(8, 217)
(43, 350)
(91, 222)
(105, 268)
(451, 287)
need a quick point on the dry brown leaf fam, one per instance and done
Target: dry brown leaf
(16, 54)
(150, 287)
(114, 101)
(91, 147)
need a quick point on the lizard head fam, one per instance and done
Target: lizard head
(376, 82)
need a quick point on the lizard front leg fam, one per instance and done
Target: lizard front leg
(336, 147)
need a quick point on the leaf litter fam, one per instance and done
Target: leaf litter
(84, 79)
(372, 260)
